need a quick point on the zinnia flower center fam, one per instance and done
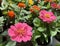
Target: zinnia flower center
(47, 16)
(21, 31)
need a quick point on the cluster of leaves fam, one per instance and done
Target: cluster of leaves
(40, 29)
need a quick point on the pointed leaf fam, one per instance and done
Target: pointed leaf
(11, 43)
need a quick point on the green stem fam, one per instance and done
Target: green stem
(48, 29)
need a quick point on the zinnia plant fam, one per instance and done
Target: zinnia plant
(24, 21)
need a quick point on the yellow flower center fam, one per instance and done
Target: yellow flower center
(21, 31)
(47, 15)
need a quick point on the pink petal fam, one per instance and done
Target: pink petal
(29, 33)
(53, 17)
(24, 39)
(27, 27)
(13, 28)
(17, 39)
(28, 38)
(11, 32)
(18, 25)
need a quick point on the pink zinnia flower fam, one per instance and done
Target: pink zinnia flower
(54, 5)
(47, 16)
(20, 32)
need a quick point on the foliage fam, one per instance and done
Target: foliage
(40, 28)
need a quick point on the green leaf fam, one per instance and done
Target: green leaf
(27, 17)
(42, 3)
(1, 44)
(37, 36)
(26, 2)
(4, 33)
(24, 11)
(15, 7)
(48, 5)
(46, 37)
(1, 20)
(35, 43)
(43, 7)
(53, 33)
(4, 12)
(16, 21)
(4, 5)
(18, 0)
(41, 29)
(1, 28)
(11, 43)
(58, 17)
(57, 29)
(36, 22)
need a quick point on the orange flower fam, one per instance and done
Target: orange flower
(48, 0)
(11, 14)
(31, 10)
(35, 7)
(21, 4)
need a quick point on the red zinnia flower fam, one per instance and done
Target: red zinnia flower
(21, 4)
(35, 7)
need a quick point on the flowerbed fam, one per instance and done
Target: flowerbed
(34, 21)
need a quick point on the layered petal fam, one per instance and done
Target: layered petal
(20, 32)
